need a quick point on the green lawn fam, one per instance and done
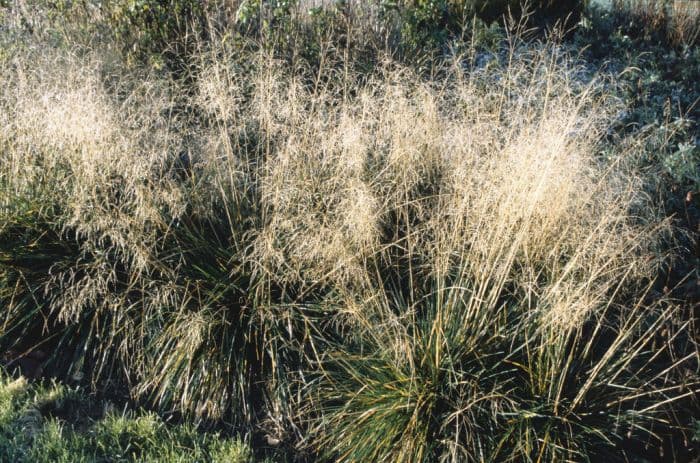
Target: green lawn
(54, 423)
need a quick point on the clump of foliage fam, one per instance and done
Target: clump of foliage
(659, 83)
(164, 31)
(673, 22)
(657, 79)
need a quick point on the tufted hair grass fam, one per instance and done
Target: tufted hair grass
(386, 266)
(500, 311)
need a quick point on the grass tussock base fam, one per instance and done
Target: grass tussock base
(369, 268)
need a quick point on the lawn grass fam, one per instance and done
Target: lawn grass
(51, 423)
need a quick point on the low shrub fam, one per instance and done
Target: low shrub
(676, 22)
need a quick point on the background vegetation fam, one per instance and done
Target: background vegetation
(349, 231)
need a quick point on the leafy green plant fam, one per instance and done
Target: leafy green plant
(424, 24)
(684, 164)
(163, 31)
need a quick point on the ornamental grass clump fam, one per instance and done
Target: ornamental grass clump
(502, 312)
(122, 259)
